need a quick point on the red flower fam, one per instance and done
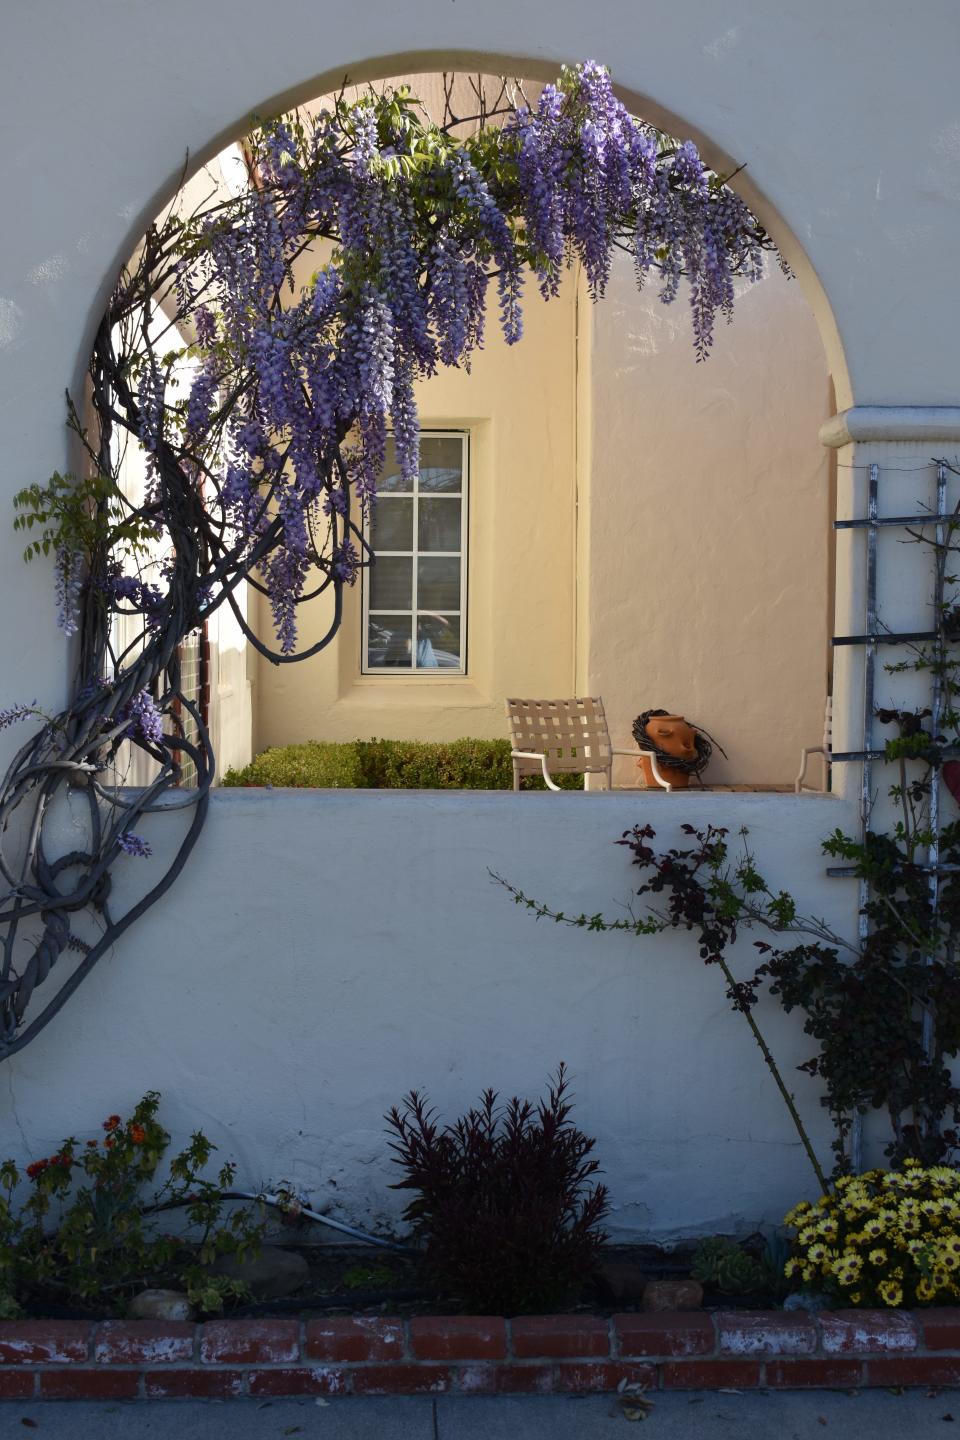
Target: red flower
(137, 1134)
(108, 1143)
(37, 1168)
(91, 1144)
(62, 1159)
(111, 1122)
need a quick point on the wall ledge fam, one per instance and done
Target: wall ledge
(477, 1355)
(891, 423)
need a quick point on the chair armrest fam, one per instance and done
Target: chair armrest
(649, 755)
(805, 754)
(536, 755)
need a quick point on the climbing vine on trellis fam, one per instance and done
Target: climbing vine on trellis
(262, 406)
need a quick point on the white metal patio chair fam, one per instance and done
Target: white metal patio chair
(563, 737)
(825, 749)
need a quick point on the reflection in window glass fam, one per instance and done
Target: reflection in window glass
(438, 522)
(438, 641)
(441, 463)
(390, 642)
(391, 583)
(438, 581)
(391, 480)
(391, 524)
(414, 593)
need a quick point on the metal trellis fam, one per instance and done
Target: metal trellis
(873, 637)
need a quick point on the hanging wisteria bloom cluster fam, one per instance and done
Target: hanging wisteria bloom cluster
(356, 262)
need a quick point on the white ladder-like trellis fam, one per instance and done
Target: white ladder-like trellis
(872, 638)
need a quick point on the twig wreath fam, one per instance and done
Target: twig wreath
(261, 472)
(702, 745)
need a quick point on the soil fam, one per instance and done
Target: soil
(360, 1280)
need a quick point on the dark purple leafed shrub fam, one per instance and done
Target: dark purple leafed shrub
(503, 1201)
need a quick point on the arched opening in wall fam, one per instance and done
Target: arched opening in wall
(539, 539)
(597, 512)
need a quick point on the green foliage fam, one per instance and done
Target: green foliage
(83, 516)
(87, 1233)
(315, 764)
(728, 1267)
(390, 765)
(368, 1277)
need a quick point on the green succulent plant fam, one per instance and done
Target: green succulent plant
(726, 1266)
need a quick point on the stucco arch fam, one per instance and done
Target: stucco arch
(667, 116)
(868, 190)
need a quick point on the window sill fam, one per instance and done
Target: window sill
(371, 690)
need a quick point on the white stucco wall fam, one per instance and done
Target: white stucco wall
(327, 951)
(845, 119)
(295, 1017)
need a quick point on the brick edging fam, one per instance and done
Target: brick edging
(477, 1355)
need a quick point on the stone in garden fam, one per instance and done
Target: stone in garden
(673, 1295)
(625, 1279)
(268, 1276)
(160, 1305)
(812, 1302)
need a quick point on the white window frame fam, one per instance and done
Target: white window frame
(412, 671)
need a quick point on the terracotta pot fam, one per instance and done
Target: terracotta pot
(672, 734)
(679, 779)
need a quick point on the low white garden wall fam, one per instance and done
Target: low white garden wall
(326, 951)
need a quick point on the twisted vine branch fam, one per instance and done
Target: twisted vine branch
(262, 473)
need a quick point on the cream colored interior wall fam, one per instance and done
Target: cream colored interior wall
(518, 404)
(706, 557)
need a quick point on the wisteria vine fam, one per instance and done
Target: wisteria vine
(261, 468)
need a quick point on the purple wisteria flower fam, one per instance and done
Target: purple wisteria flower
(419, 224)
(144, 719)
(134, 845)
(14, 713)
(68, 565)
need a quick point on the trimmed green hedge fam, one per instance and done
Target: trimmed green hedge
(390, 765)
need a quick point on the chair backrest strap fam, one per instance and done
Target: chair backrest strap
(573, 733)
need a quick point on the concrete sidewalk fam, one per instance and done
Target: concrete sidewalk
(792, 1415)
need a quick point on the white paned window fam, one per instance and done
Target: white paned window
(415, 594)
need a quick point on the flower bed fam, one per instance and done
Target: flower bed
(477, 1355)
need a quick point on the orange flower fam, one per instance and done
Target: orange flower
(91, 1144)
(111, 1122)
(137, 1134)
(108, 1143)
